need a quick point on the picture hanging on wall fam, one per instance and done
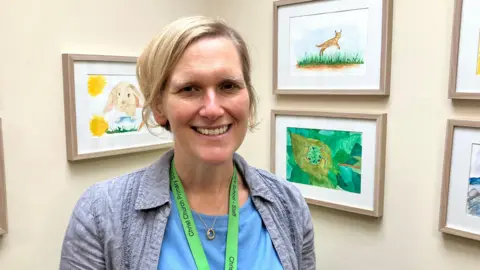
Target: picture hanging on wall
(465, 51)
(460, 199)
(332, 47)
(103, 108)
(335, 159)
(3, 193)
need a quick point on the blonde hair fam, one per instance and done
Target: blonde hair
(156, 63)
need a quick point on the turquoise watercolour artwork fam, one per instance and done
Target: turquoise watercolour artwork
(325, 158)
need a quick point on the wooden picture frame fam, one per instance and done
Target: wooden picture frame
(3, 192)
(97, 124)
(460, 196)
(303, 62)
(464, 78)
(337, 160)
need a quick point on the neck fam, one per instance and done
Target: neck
(207, 186)
(201, 178)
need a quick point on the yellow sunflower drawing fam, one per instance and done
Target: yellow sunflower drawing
(96, 83)
(98, 126)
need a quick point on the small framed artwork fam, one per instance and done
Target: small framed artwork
(3, 195)
(335, 159)
(332, 47)
(465, 51)
(460, 198)
(103, 108)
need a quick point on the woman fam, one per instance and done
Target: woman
(200, 206)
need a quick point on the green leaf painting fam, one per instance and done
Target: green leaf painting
(325, 158)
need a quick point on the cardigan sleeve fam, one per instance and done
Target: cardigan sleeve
(82, 247)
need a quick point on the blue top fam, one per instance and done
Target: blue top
(255, 248)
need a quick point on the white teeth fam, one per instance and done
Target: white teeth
(212, 132)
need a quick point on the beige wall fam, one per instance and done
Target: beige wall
(42, 187)
(407, 237)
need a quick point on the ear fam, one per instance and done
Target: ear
(159, 117)
(138, 96)
(137, 102)
(111, 100)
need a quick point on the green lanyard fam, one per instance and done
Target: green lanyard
(191, 230)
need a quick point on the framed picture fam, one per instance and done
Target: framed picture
(103, 108)
(335, 159)
(3, 195)
(465, 51)
(460, 199)
(332, 47)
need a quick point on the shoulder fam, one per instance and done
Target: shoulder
(140, 189)
(95, 221)
(286, 192)
(283, 194)
(111, 191)
(104, 205)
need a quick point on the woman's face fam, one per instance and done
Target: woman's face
(206, 101)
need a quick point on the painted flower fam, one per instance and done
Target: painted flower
(96, 83)
(98, 126)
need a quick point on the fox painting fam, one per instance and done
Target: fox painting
(331, 42)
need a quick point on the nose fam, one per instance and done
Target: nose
(212, 105)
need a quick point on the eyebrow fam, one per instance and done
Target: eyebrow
(190, 80)
(236, 79)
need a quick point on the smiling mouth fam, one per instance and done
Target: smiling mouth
(212, 131)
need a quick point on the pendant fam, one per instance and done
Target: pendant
(210, 234)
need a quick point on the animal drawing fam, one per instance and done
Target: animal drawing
(124, 99)
(331, 42)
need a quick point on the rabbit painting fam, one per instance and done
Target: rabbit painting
(331, 42)
(122, 103)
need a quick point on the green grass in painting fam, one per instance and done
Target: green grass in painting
(120, 130)
(325, 158)
(330, 59)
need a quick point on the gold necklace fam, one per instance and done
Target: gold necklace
(210, 231)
